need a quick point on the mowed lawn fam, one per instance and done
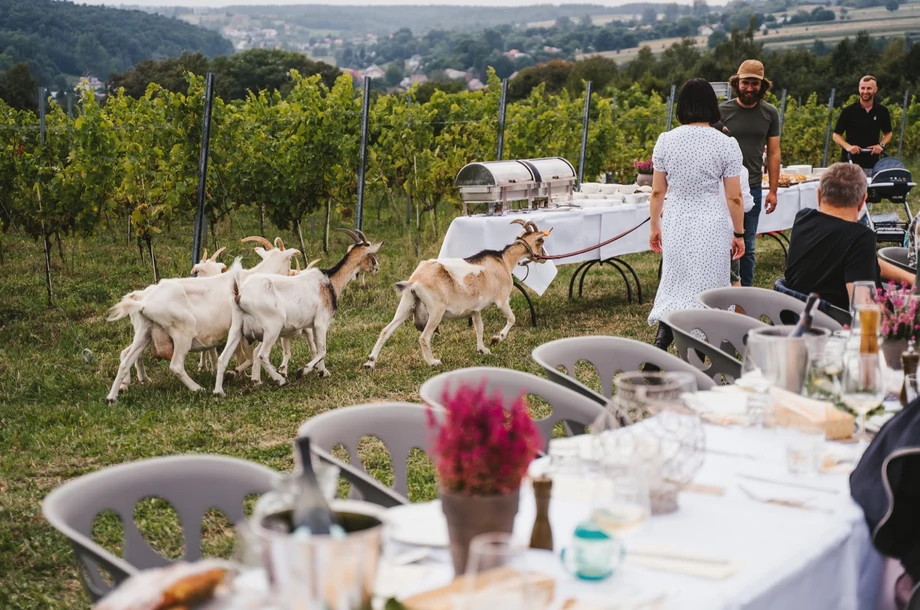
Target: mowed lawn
(55, 424)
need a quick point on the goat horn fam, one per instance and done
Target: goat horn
(279, 243)
(204, 257)
(352, 235)
(214, 256)
(312, 263)
(297, 262)
(532, 225)
(361, 235)
(258, 238)
(526, 224)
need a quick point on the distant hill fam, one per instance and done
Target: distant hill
(58, 38)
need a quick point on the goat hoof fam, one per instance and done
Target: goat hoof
(484, 351)
(230, 374)
(256, 383)
(435, 362)
(496, 340)
(111, 400)
(369, 365)
(219, 393)
(282, 381)
(302, 372)
(324, 373)
(282, 371)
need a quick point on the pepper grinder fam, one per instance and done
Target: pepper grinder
(909, 361)
(542, 536)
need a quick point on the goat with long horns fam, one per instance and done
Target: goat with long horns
(460, 288)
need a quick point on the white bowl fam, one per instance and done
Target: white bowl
(616, 198)
(634, 198)
(799, 169)
(626, 189)
(591, 187)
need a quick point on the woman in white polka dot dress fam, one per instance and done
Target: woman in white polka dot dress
(697, 230)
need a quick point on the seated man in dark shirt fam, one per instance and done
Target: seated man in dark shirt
(829, 249)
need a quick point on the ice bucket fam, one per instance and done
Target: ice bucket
(324, 572)
(792, 355)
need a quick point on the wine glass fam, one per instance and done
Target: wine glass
(911, 387)
(825, 370)
(496, 575)
(862, 386)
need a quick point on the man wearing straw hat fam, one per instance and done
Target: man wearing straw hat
(754, 124)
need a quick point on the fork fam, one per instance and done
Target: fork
(779, 502)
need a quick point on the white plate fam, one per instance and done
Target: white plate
(419, 524)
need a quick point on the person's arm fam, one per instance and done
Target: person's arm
(838, 139)
(656, 206)
(885, 127)
(736, 209)
(773, 163)
(891, 273)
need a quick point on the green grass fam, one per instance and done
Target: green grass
(56, 425)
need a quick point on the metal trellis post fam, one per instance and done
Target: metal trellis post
(200, 228)
(362, 162)
(782, 113)
(671, 107)
(827, 131)
(903, 122)
(584, 134)
(502, 104)
(42, 100)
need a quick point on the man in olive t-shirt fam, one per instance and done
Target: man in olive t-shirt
(754, 124)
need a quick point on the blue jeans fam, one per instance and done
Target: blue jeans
(750, 237)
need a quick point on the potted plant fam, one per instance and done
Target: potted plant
(481, 452)
(645, 170)
(900, 321)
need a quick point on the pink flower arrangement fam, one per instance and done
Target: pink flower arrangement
(481, 448)
(899, 312)
(644, 167)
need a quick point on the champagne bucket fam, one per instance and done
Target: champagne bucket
(324, 572)
(791, 356)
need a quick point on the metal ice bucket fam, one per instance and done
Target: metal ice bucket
(793, 355)
(323, 572)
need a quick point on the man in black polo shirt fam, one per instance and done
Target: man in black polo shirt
(862, 123)
(829, 250)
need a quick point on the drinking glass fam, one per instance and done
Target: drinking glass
(863, 294)
(496, 575)
(862, 386)
(913, 390)
(804, 444)
(825, 370)
(760, 370)
(620, 503)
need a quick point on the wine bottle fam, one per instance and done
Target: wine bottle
(807, 318)
(310, 507)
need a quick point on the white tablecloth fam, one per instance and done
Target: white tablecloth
(789, 558)
(576, 229)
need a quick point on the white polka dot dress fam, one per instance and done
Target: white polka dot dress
(696, 227)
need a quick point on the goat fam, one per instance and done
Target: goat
(268, 307)
(206, 267)
(186, 314)
(456, 288)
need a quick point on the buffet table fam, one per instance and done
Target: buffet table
(578, 228)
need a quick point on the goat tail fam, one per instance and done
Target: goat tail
(129, 304)
(236, 291)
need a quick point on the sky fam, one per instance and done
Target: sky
(218, 3)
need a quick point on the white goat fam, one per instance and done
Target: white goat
(269, 307)
(186, 314)
(455, 288)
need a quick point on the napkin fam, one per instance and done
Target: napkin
(665, 558)
(721, 407)
(540, 277)
(393, 580)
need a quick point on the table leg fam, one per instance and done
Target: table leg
(635, 276)
(613, 264)
(780, 239)
(533, 311)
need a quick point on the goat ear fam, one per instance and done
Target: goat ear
(291, 252)
(262, 252)
(546, 232)
(373, 249)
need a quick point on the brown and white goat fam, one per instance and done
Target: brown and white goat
(455, 288)
(268, 307)
(186, 314)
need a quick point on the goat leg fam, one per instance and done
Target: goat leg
(477, 326)
(128, 357)
(403, 313)
(233, 341)
(269, 338)
(319, 332)
(182, 343)
(424, 340)
(505, 308)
